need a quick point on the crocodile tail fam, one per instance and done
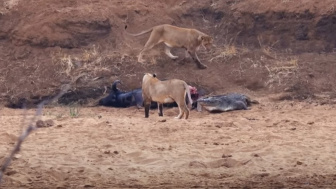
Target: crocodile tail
(250, 101)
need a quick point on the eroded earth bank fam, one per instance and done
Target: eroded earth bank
(281, 53)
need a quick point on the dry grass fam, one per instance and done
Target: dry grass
(267, 49)
(90, 65)
(10, 4)
(269, 52)
(89, 61)
(74, 111)
(67, 63)
(226, 52)
(91, 54)
(281, 70)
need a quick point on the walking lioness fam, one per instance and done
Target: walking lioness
(166, 91)
(172, 36)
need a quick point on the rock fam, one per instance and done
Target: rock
(46, 123)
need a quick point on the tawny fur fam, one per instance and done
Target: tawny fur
(172, 36)
(165, 92)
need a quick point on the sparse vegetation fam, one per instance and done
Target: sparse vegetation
(283, 69)
(226, 52)
(67, 63)
(74, 111)
(90, 61)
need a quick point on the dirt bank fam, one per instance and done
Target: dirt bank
(261, 47)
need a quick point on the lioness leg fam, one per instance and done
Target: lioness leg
(152, 41)
(196, 60)
(160, 107)
(181, 112)
(186, 110)
(147, 110)
(168, 53)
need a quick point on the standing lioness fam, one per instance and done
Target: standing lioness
(172, 36)
(166, 91)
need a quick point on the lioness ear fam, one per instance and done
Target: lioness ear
(154, 75)
(200, 38)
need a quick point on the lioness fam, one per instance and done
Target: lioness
(165, 92)
(172, 36)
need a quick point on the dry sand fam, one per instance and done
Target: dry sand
(273, 145)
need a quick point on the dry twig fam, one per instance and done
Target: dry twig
(31, 127)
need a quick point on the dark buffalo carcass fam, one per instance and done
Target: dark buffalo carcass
(121, 99)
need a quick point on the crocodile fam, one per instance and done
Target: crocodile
(223, 103)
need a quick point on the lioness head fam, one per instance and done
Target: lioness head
(148, 77)
(207, 41)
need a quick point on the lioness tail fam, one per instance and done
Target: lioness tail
(188, 93)
(138, 34)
